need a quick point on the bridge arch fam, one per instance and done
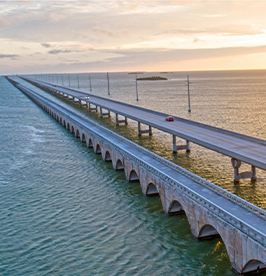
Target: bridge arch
(77, 133)
(64, 123)
(133, 176)
(89, 143)
(57, 118)
(72, 129)
(119, 165)
(208, 232)
(152, 190)
(175, 208)
(68, 126)
(98, 149)
(107, 157)
(254, 266)
(61, 120)
(83, 138)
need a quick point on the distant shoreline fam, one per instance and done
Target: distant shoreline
(135, 73)
(153, 78)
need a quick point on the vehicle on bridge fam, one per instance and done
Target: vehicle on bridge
(169, 119)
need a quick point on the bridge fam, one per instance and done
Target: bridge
(210, 210)
(241, 148)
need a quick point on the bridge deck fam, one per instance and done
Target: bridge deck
(242, 147)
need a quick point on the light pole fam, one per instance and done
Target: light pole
(90, 81)
(108, 84)
(188, 94)
(137, 95)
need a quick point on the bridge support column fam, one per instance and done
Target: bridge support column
(237, 175)
(120, 121)
(176, 148)
(104, 114)
(82, 103)
(92, 108)
(75, 101)
(144, 131)
(65, 95)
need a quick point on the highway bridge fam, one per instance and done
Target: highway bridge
(241, 148)
(210, 210)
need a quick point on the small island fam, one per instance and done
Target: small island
(135, 73)
(152, 78)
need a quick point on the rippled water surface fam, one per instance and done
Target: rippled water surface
(63, 211)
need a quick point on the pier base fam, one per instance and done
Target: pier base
(120, 121)
(75, 100)
(82, 103)
(181, 147)
(104, 114)
(237, 175)
(140, 131)
(92, 108)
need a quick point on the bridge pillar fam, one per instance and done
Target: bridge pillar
(75, 101)
(120, 121)
(92, 108)
(237, 175)
(104, 114)
(82, 103)
(176, 148)
(140, 131)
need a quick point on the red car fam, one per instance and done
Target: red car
(169, 119)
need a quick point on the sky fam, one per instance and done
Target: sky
(114, 36)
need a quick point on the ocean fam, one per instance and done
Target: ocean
(64, 211)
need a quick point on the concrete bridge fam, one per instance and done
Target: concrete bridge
(241, 148)
(211, 211)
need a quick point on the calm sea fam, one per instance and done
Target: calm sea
(63, 211)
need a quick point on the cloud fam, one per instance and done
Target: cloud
(197, 40)
(156, 56)
(4, 22)
(55, 52)
(46, 45)
(9, 56)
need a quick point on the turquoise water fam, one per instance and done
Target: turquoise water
(64, 211)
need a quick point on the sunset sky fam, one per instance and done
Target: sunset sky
(99, 36)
